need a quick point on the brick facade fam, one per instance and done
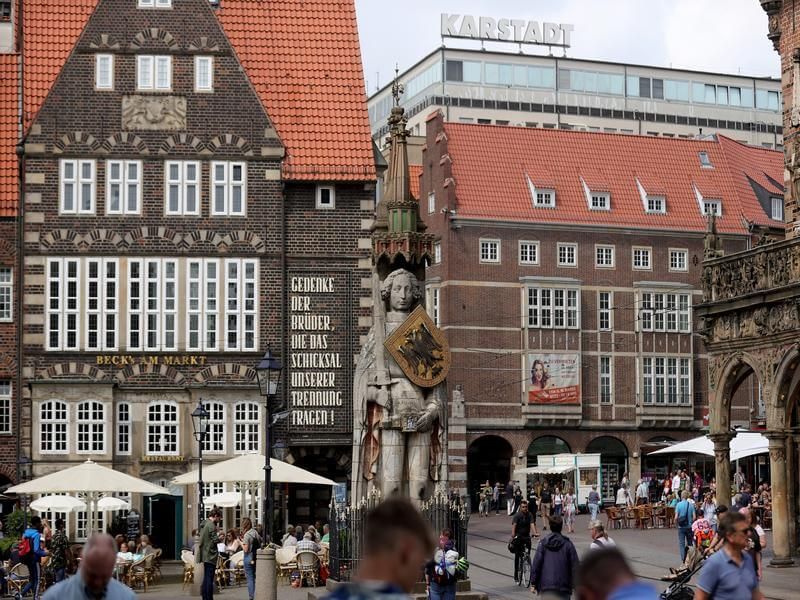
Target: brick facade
(483, 309)
(8, 353)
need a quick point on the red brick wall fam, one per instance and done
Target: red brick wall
(8, 349)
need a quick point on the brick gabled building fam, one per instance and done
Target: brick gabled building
(199, 184)
(568, 267)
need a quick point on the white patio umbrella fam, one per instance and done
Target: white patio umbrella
(250, 468)
(113, 504)
(91, 479)
(223, 499)
(745, 444)
(58, 504)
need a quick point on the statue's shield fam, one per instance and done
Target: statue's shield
(420, 349)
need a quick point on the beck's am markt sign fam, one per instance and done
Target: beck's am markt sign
(518, 31)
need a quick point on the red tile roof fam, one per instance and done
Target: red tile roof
(492, 165)
(9, 134)
(303, 59)
(415, 172)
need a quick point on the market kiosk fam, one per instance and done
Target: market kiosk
(578, 471)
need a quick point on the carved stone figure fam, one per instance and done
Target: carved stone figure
(712, 243)
(401, 425)
(154, 113)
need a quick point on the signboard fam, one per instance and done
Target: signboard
(517, 31)
(420, 349)
(320, 352)
(554, 379)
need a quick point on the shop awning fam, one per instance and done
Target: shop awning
(746, 443)
(545, 470)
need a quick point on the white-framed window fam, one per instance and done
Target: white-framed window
(77, 186)
(567, 255)
(102, 304)
(326, 197)
(678, 260)
(777, 208)
(712, 207)
(545, 198)
(202, 302)
(642, 258)
(433, 304)
(155, 3)
(606, 387)
(123, 187)
(437, 252)
(104, 71)
(705, 161)
(528, 253)
(182, 187)
(246, 427)
(656, 204)
(162, 428)
(431, 203)
(214, 442)
(153, 73)
(91, 424)
(600, 201)
(152, 304)
(62, 329)
(604, 256)
(241, 294)
(665, 312)
(53, 427)
(604, 310)
(556, 308)
(489, 251)
(203, 73)
(6, 413)
(6, 294)
(666, 380)
(228, 188)
(123, 428)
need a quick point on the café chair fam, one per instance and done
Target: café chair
(286, 561)
(18, 577)
(187, 557)
(614, 518)
(308, 565)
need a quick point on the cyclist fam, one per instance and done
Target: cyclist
(522, 527)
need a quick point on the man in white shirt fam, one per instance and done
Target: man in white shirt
(642, 492)
(600, 538)
(676, 482)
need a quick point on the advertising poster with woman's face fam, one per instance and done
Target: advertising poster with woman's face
(553, 379)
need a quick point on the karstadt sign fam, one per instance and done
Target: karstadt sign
(506, 30)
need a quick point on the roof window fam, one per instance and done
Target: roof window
(705, 161)
(653, 203)
(708, 206)
(541, 197)
(596, 200)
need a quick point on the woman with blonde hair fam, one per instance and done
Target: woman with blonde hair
(251, 542)
(569, 510)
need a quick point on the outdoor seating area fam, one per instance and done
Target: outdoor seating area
(306, 564)
(644, 516)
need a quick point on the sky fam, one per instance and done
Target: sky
(726, 36)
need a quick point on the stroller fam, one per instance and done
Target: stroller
(680, 589)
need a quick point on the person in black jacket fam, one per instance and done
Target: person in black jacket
(554, 564)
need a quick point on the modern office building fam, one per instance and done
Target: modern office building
(565, 278)
(489, 87)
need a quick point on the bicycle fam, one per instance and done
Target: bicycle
(524, 568)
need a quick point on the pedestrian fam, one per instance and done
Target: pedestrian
(545, 500)
(606, 575)
(509, 497)
(32, 538)
(623, 497)
(676, 482)
(558, 502)
(59, 552)
(521, 531)
(570, 508)
(600, 537)
(593, 502)
(485, 499)
(684, 517)
(533, 508)
(94, 578)
(496, 497)
(554, 564)
(755, 541)
(440, 572)
(207, 552)
(642, 491)
(738, 479)
(251, 542)
(729, 574)
(397, 542)
(517, 498)
(288, 538)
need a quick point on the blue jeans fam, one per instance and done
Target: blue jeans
(594, 509)
(684, 539)
(207, 589)
(33, 582)
(250, 574)
(60, 574)
(441, 591)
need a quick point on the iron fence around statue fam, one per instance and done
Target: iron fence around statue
(348, 530)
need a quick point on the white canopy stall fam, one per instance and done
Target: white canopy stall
(746, 443)
(579, 470)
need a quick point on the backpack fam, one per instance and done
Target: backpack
(25, 547)
(682, 517)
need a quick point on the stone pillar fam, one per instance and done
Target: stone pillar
(457, 445)
(634, 468)
(266, 575)
(722, 464)
(780, 505)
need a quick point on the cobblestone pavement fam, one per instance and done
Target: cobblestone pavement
(650, 552)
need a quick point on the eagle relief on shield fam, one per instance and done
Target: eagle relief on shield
(420, 349)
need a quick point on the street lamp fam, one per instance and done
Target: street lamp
(268, 373)
(200, 419)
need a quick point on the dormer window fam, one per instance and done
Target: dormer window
(545, 198)
(777, 208)
(155, 3)
(712, 207)
(656, 204)
(597, 200)
(705, 161)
